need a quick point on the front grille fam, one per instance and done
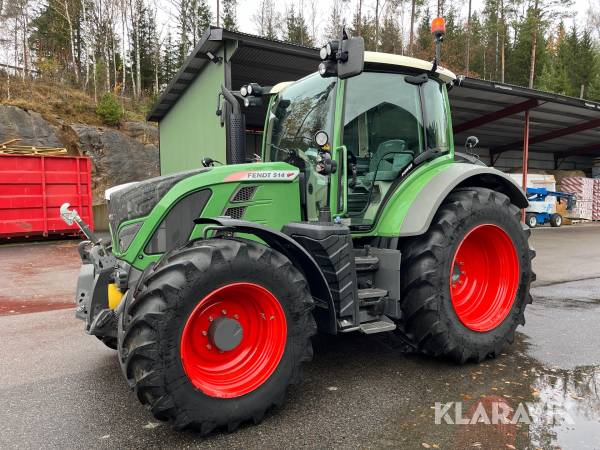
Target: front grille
(235, 212)
(175, 228)
(244, 194)
(138, 200)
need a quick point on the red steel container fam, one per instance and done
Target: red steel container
(32, 188)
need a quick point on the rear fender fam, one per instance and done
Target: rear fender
(428, 200)
(297, 255)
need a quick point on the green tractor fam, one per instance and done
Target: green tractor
(357, 217)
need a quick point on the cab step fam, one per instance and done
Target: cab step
(378, 326)
(366, 263)
(370, 296)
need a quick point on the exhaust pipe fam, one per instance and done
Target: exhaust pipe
(237, 129)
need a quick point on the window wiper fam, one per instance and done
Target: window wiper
(428, 155)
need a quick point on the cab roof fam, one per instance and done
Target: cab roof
(406, 61)
(390, 59)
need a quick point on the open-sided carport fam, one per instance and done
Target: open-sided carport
(518, 128)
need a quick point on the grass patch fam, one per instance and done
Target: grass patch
(58, 102)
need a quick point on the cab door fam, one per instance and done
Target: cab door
(383, 132)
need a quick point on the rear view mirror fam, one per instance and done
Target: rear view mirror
(343, 58)
(355, 49)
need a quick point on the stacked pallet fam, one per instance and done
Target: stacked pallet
(13, 148)
(596, 202)
(583, 188)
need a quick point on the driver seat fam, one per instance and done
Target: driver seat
(389, 160)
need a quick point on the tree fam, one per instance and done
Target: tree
(18, 11)
(520, 57)
(363, 25)
(424, 41)
(204, 17)
(593, 92)
(453, 50)
(146, 28)
(169, 60)
(296, 28)
(335, 21)
(415, 5)
(229, 14)
(585, 64)
(539, 17)
(535, 19)
(477, 49)
(391, 37)
(199, 17)
(50, 41)
(109, 109)
(266, 19)
(468, 52)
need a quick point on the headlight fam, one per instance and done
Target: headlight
(127, 234)
(327, 69)
(323, 53)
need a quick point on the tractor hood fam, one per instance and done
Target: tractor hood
(150, 217)
(134, 200)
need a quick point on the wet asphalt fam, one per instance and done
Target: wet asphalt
(63, 389)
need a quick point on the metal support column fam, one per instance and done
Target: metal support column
(525, 157)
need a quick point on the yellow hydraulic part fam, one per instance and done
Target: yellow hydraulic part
(114, 296)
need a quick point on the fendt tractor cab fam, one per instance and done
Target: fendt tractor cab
(357, 217)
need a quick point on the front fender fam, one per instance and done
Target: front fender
(420, 213)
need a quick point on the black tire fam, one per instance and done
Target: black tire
(152, 323)
(556, 220)
(109, 341)
(531, 220)
(430, 322)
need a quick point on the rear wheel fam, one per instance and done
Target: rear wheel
(216, 334)
(465, 283)
(556, 220)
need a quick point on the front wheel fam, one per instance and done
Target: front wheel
(531, 220)
(556, 220)
(109, 341)
(465, 283)
(216, 334)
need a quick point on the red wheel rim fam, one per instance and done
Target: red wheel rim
(484, 277)
(238, 371)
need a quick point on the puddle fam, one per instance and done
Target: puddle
(567, 410)
(14, 307)
(462, 407)
(579, 293)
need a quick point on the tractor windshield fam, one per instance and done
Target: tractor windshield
(296, 115)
